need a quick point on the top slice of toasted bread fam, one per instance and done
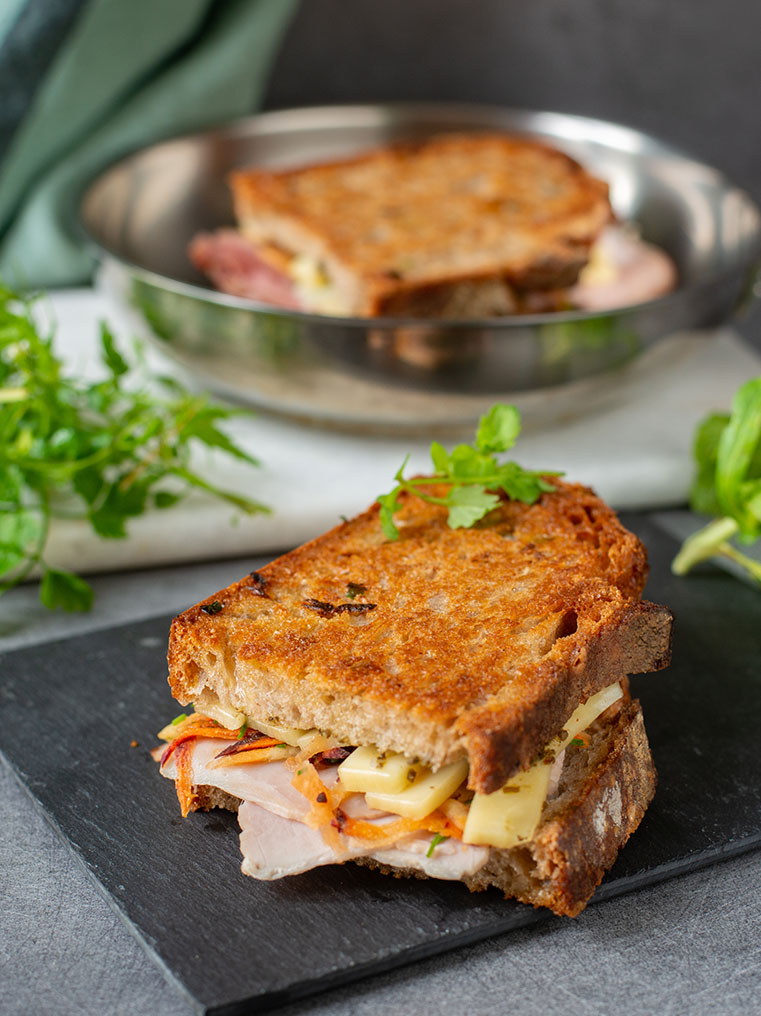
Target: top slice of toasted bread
(442, 644)
(397, 224)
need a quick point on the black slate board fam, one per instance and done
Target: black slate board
(71, 708)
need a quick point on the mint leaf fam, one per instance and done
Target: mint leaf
(469, 504)
(498, 429)
(66, 590)
(165, 499)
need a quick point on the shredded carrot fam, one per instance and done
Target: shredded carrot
(389, 833)
(273, 753)
(184, 779)
(219, 732)
(456, 812)
(317, 744)
(321, 814)
(173, 730)
(250, 744)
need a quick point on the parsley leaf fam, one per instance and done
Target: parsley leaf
(64, 589)
(499, 429)
(727, 451)
(474, 475)
(102, 451)
(437, 839)
(469, 504)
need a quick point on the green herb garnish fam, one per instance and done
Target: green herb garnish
(354, 589)
(211, 608)
(727, 450)
(242, 730)
(474, 475)
(179, 719)
(102, 451)
(437, 839)
(576, 741)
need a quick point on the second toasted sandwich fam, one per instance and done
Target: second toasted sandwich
(454, 226)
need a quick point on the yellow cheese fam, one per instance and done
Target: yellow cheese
(587, 713)
(510, 816)
(288, 735)
(600, 269)
(314, 286)
(308, 272)
(234, 719)
(367, 770)
(226, 715)
(425, 794)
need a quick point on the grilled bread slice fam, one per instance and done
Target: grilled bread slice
(455, 225)
(444, 644)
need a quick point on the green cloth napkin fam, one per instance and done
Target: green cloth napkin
(125, 74)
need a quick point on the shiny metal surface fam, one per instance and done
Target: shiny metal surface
(384, 373)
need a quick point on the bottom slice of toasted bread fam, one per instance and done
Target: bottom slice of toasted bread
(604, 791)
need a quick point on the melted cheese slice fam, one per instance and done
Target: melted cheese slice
(233, 719)
(425, 794)
(510, 816)
(368, 770)
(226, 715)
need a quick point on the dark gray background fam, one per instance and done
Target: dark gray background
(687, 70)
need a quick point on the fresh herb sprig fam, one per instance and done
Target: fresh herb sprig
(103, 451)
(474, 475)
(727, 450)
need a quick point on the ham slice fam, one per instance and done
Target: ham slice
(629, 272)
(275, 842)
(623, 271)
(234, 267)
(274, 847)
(265, 783)
(451, 859)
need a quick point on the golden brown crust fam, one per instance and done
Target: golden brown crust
(519, 210)
(475, 642)
(583, 830)
(206, 797)
(581, 844)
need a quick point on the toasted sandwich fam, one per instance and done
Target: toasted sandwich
(454, 226)
(452, 704)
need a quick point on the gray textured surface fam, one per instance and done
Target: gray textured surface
(689, 945)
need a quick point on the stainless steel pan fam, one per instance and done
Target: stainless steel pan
(386, 373)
